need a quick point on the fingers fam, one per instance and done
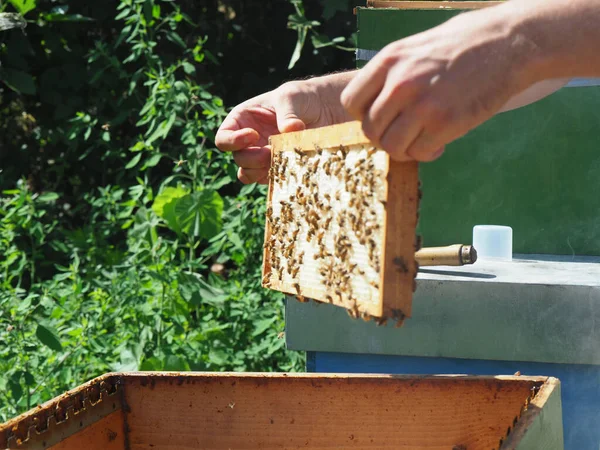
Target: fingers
(248, 176)
(399, 135)
(253, 158)
(288, 107)
(363, 89)
(388, 105)
(232, 140)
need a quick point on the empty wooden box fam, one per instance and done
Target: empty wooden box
(341, 222)
(163, 411)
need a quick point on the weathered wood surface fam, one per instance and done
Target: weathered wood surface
(167, 411)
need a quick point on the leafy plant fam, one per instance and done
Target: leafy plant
(126, 241)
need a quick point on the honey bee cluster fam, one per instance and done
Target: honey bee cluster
(324, 224)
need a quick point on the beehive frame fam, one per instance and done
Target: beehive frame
(168, 410)
(341, 221)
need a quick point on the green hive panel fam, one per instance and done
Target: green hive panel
(536, 169)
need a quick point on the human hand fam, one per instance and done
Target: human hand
(293, 106)
(420, 93)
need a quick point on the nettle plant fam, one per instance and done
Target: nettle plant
(127, 242)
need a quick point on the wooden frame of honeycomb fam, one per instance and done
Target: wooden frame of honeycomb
(341, 220)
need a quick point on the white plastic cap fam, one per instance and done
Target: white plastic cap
(493, 242)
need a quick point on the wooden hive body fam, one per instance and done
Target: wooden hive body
(341, 222)
(168, 411)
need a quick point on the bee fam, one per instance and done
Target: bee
(295, 233)
(371, 151)
(338, 196)
(327, 197)
(360, 162)
(320, 236)
(295, 271)
(381, 321)
(361, 272)
(280, 274)
(328, 222)
(366, 317)
(399, 323)
(310, 234)
(315, 165)
(301, 298)
(300, 257)
(179, 163)
(319, 150)
(298, 152)
(352, 313)
(297, 287)
(269, 212)
(329, 298)
(374, 284)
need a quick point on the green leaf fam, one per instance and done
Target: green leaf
(133, 161)
(188, 68)
(15, 389)
(48, 197)
(129, 362)
(57, 17)
(262, 325)
(23, 6)
(153, 160)
(18, 81)
(48, 336)
(217, 357)
(321, 40)
(199, 213)
(299, 45)
(197, 292)
(176, 364)
(162, 130)
(175, 38)
(168, 195)
(151, 364)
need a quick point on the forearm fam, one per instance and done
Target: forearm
(534, 93)
(561, 37)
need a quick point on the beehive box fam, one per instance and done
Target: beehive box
(341, 220)
(267, 411)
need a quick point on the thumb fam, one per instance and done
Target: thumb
(287, 117)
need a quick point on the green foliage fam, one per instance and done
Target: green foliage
(305, 27)
(126, 241)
